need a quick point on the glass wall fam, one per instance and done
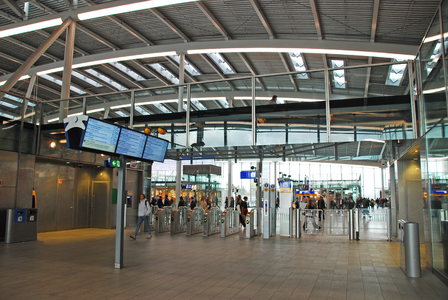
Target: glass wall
(432, 76)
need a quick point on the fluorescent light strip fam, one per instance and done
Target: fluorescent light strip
(435, 38)
(94, 110)
(156, 102)
(281, 98)
(30, 27)
(122, 58)
(432, 91)
(304, 50)
(129, 8)
(53, 120)
(374, 140)
(120, 106)
(21, 78)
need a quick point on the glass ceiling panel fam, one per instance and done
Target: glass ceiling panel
(188, 66)
(6, 115)
(396, 73)
(338, 75)
(299, 64)
(7, 104)
(141, 110)
(17, 99)
(221, 63)
(59, 82)
(127, 71)
(165, 73)
(86, 79)
(106, 79)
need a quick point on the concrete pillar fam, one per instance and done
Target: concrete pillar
(409, 193)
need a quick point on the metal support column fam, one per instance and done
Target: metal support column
(229, 182)
(84, 105)
(180, 108)
(67, 72)
(131, 110)
(411, 72)
(254, 116)
(187, 118)
(327, 105)
(121, 196)
(34, 57)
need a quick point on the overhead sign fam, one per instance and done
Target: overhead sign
(112, 163)
(248, 175)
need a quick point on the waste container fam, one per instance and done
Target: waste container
(445, 243)
(21, 225)
(410, 249)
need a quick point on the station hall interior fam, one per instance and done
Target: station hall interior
(329, 116)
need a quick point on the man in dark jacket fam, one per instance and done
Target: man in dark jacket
(321, 207)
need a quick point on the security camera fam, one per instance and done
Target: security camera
(383, 163)
(80, 166)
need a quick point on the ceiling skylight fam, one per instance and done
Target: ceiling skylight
(106, 79)
(396, 73)
(299, 64)
(188, 67)
(6, 115)
(127, 71)
(198, 105)
(221, 63)
(17, 99)
(86, 79)
(162, 108)
(338, 75)
(120, 113)
(436, 54)
(223, 102)
(7, 104)
(165, 73)
(141, 110)
(59, 82)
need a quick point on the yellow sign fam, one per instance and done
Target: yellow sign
(272, 190)
(266, 189)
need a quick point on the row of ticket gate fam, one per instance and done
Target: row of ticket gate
(296, 221)
(208, 222)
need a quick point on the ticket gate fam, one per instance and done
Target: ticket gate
(195, 221)
(212, 221)
(250, 224)
(229, 222)
(179, 220)
(163, 220)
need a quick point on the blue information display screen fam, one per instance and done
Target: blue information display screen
(155, 149)
(100, 136)
(248, 175)
(131, 143)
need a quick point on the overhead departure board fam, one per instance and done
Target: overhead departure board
(131, 143)
(155, 149)
(100, 136)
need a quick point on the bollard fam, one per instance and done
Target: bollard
(298, 223)
(291, 222)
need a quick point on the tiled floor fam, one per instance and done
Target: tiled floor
(78, 264)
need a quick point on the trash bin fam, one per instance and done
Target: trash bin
(445, 243)
(21, 225)
(410, 249)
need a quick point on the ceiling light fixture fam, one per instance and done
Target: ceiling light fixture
(21, 78)
(129, 8)
(30, 27)
(305, 50)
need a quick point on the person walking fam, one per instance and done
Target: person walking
(143, 213)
